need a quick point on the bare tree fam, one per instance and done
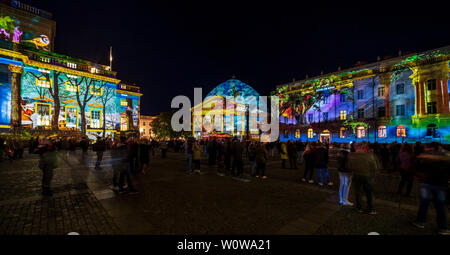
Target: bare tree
(108, 94)
(87, 88)
(53, 91)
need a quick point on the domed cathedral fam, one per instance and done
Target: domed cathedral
(401, 99)
(230, 110)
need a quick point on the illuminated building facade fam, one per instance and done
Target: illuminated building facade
(397, 99)
(145, 128)
(232, 100)
(40, 89)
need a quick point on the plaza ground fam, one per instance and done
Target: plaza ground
(172, 202)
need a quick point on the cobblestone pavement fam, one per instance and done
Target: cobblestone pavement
(172, 202)
(73, 208)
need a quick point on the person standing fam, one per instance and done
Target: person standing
(188, 144)
(251, 157)
(300, 147)
(363, 164)
(322, 164)
(163, 146)
(99, 147)
(433, 175)
(292, 155)
(144, 155)
(261, 156)
(283, 155)
(345, 175)
(407, 162)
(310, 160)
(236, 151)
(197, 154)
(227, 155)
(84, 144)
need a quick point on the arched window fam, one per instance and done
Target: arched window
(310, 133)
(432, 130)
(342, 132)
(286, 133)
(297, 133)
(382, 131)
(401, 131)
(360, 132)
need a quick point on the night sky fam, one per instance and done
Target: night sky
(168, 49)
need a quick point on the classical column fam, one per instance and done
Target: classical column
(385, 79)
(442, 99)
(422, 98)
(16, 117)
(439, 93)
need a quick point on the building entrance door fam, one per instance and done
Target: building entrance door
(325, 137)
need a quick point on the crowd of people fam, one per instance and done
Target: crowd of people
(357, 163)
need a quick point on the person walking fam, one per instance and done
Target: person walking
(261, 157)
(188, 144)
(283, 155)
(433, 176)
(322, 164)
(125, 171)
(48, 161)
(363, 164)
(407, 162)
(310, 160)
(345, 175)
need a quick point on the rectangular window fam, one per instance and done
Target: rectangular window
(431, 108)
(360, 94)
(325, 116)
(123, 123)
(43, 82)
(297, 133)
(400, 110)
(325, 100)
(400, 89)
(96, 91)
(360, 113)
(380, 92)
(342, 98)
(310, 117)
(381, 111)
(382, 132)
(343, 115)
(96, 119)
(123, 102)
(143, 123)
(43, 111)
(71, 116)
(71, 87)
(431, 84)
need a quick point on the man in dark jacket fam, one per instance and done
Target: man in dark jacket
(99, 147)
(433, 175)
(292, 154)
(363, 164)
(48, 161)
(236, 152)
(322, 164)
(84, 144)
